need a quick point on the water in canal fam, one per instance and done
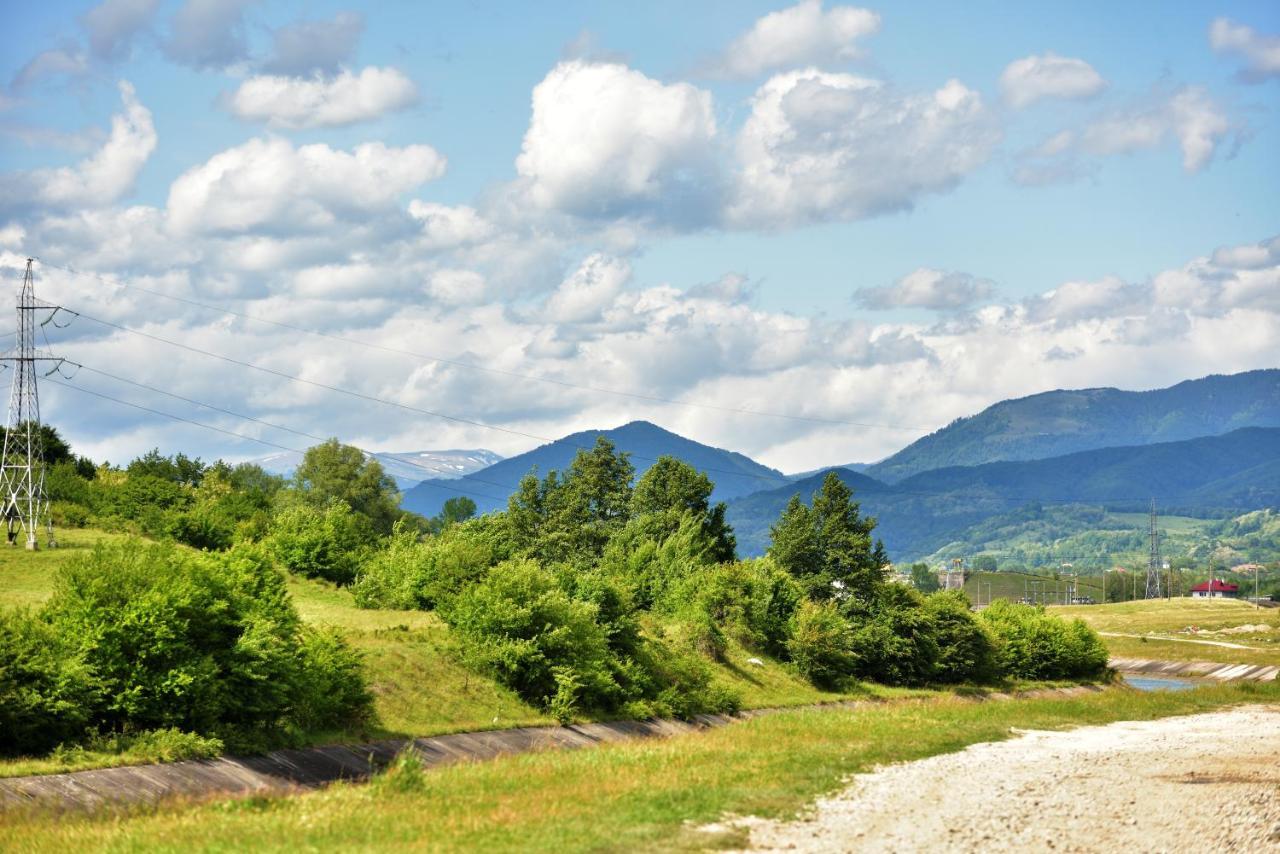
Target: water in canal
(1160, 683)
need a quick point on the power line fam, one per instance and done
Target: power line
(374, 399)
(472, 366)
(223, 430)
(380, 454)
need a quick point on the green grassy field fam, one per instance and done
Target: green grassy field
(627, 796)
(982, 587)
(1161, 626)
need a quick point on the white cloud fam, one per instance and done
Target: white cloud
(820, 146)
(100, 179)
(605, 140)
(445, 227)
(594, 286)
(1187, 116)
(1260, 52)
(1027, 80)
(208, 33)
(269, 185)
(311, 47)
(113, 24)
(927, 288)
(803, 34)
(296, 102)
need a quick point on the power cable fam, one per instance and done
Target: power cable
(222, 430)
(472, 366)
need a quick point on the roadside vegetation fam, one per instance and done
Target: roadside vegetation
(245, 611)
(625, 796)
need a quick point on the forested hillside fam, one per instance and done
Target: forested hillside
(1061, 422)
(1214, 476)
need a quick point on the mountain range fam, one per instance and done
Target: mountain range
(1204, 447)
(733, 473)
(1061, 422)
(919, 515)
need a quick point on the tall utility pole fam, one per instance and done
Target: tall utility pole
(1153, 562)
(25, 502)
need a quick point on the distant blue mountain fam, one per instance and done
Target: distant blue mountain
(733, 473)
(1205, 476)
(1062, 422)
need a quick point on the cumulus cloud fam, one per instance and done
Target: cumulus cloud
(113, 24)
(100, 179)
(927, 288)
(1188, 117)
(208, 34)
(1260, 52)
(314, 47)
(605, 140)
(445, 227)
(268, 184)
(820, 146)
(296, 102)
(1027, 80)
(584, 295)
(803, 34)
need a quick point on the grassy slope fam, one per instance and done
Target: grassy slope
(628, 796)
(420, 684)
(1161, 622)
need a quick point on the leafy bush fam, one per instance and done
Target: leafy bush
(323, 543)
(411, 573)
(893, 638)
(203, 643)
(153, 745)
(47, 693)
(966, 650)
(751, 601)
(519, 624)
(820, 643)
(1031, 644)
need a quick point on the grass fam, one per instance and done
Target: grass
(628, 796)
(420, 685)
(1160, 624)
(26, 578)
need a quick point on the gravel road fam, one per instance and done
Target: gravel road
(1208, 782)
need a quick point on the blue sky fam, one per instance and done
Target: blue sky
(851, 214)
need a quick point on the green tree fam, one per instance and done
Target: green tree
(828, 546)
(923, 578)
(333, 471)
(455, 511)
(672, 489)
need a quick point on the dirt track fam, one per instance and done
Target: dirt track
(1208, 782)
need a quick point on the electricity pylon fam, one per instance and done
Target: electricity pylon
(1153, 561)
(26, 504)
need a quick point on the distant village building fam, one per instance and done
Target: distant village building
(1215, 590)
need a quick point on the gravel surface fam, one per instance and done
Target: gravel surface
(1208, 782)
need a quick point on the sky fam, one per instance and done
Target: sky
(811, 233)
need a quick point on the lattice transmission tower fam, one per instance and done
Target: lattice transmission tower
(26, 504)
(1153, 561)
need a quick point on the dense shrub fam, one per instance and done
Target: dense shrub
(893, 639)
(409, 572)
(521, 625)
(326, 543)
(820, 644)
(1031, 644)
(966, 650)
(47, 693)
(203, 643)
(749, 601)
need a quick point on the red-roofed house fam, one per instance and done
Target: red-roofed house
(1218, 590)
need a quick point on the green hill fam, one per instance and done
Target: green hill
(1061, 422)
(1216, 476)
